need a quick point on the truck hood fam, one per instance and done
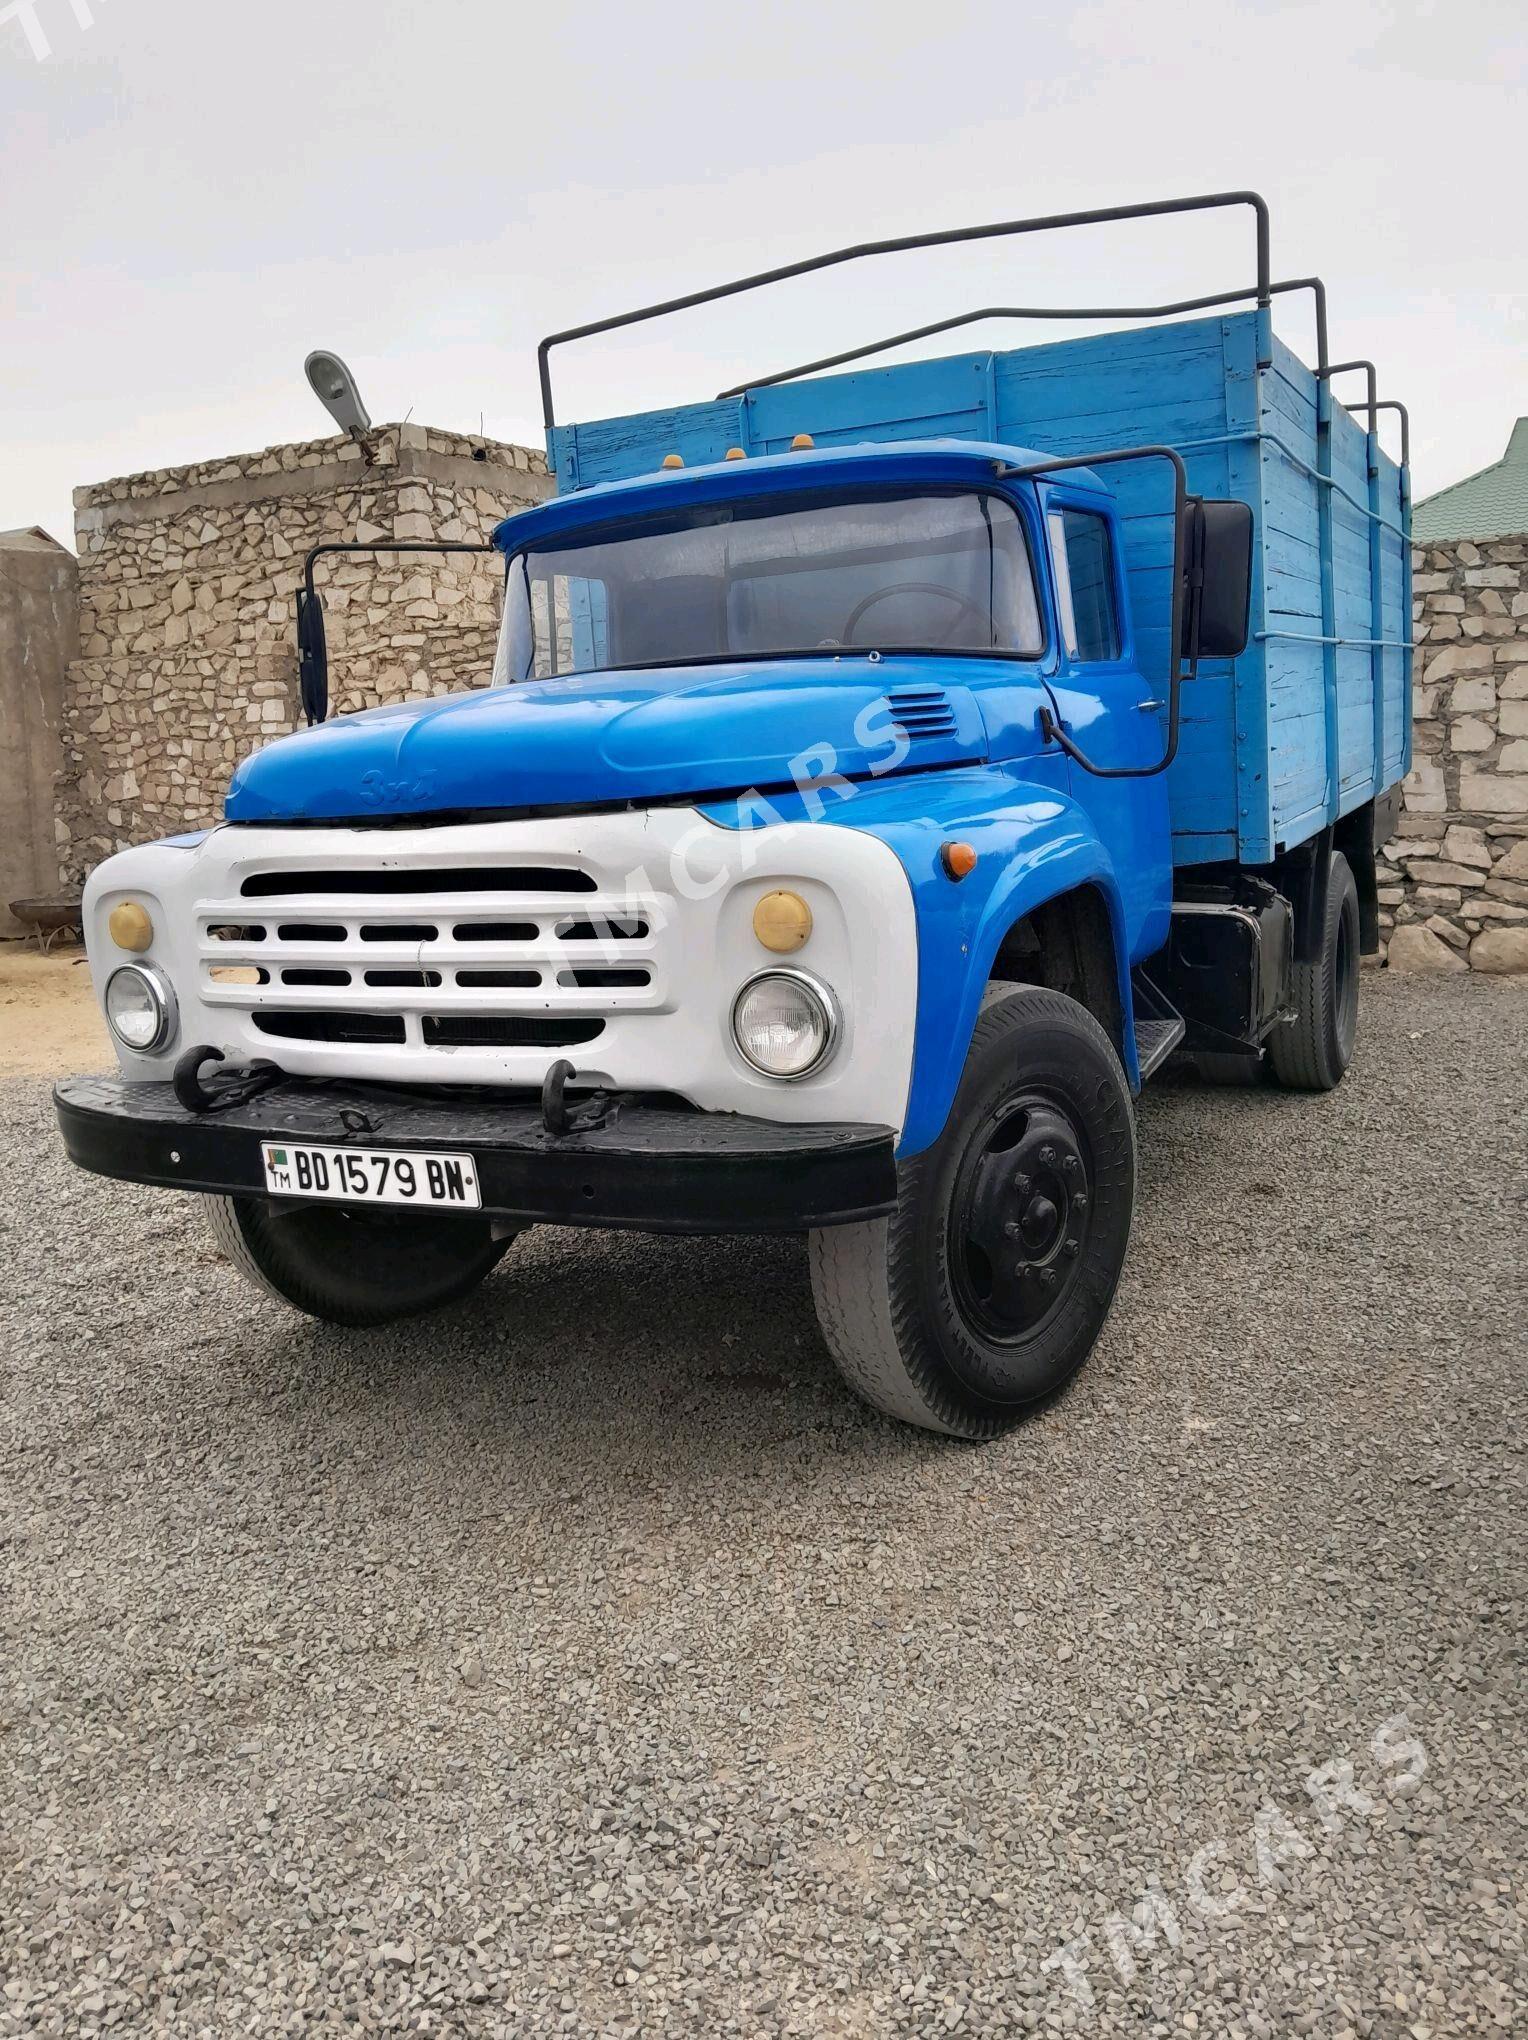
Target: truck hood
(626, 736)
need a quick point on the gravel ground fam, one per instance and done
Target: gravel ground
(584, 1660)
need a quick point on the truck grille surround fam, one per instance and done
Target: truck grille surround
(432, 959)
(480, 953)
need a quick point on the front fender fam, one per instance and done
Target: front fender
(1033, 842)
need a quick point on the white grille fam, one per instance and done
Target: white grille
(487, 955)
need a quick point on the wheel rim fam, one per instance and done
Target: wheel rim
(1021, 1218)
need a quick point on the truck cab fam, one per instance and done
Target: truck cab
(820, 857)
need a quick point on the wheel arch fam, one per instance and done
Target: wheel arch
(1056, 910)
(1073, 943)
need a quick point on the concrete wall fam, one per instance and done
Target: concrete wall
(1454, 883)
(187, 578)
(39, 636)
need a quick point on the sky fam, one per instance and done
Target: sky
(194, 195)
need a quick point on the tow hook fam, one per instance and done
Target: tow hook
(556, 1116)
(234, 1086)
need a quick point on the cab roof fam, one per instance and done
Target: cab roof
(932, 462)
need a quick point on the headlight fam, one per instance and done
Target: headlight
(140, 1008)
(785, 1023)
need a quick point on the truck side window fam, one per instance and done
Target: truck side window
(1083, 558)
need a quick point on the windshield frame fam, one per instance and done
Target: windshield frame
(601, 532)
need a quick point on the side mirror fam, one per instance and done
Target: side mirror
(312, 656)
(1218, 555)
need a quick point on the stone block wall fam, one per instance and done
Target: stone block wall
(187, 641)
(1454, 882)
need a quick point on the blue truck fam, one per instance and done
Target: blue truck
(886, 768)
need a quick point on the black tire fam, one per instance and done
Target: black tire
(351, 1267)
(1037, 1160)
(1312, 1051)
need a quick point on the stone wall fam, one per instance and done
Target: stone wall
(1454, 882)
(187, 579)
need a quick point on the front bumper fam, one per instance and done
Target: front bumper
(651, 1167)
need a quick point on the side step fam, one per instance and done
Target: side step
(1155, 1041)
(1159, 1026)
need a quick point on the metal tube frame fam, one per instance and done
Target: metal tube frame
(904, 243)
(1195, 304)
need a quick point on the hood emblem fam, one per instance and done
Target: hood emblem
(380, 792)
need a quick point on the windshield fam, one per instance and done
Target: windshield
(766, 578)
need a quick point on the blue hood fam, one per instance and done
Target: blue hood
(634, 736)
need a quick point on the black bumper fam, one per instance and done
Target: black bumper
(649, 1166)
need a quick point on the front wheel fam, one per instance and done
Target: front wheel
(351, 1267)
(983, 1293)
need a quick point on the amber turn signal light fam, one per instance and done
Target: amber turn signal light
(803, 443)
(129, 927)
(957, 859)
(782, 921)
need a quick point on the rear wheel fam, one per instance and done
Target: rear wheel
(353, 1267)
(1312, 1051)
(985, 1290)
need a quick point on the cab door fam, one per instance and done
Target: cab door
(1108, 707)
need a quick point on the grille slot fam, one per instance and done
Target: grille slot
(458, 1030)
(597, 979)
(498, 980)
(495, 931)
(601, 931)
(310, 931)
(426, 980)
(513, 878)
(315, 977)
(922, 712)
(385, 1027)
(399, 931)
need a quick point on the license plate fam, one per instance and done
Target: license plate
(370, 1175)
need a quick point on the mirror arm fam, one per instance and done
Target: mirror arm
(1050, 724)
(309, 591)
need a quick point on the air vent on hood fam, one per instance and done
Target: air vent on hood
(922, 712)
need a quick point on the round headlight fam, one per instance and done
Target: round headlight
(138, 1008)
(784, 1023)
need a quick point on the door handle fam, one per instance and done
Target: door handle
(1147, 706)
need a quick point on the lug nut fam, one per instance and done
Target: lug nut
(1071, 1247)
(1012, 1229)
(1022, 1185)
(1071, 1165)
(1047, 1154)
(1080, 1201)
(1048, 1277)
